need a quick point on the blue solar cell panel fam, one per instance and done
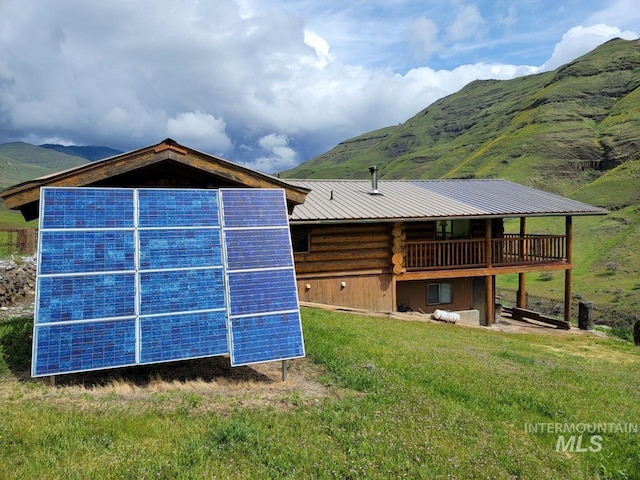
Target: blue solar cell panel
(84, 346)
(264, 316)
(262, 291)
(87, 208)
(181, 291)
(78, 251)
(166, 249)
(138, 276)
(83, 297)
(265, 338)
(254, 208)
(178, 337)
(258, 248)
(177, 208)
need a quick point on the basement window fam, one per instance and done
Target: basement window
(300, 238)
(439, 294)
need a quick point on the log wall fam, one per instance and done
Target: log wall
(347, 265)
(346, 248)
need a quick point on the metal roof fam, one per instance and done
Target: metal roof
(351, 200)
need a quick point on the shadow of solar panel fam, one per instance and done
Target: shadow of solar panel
(170, 249)
(181, 291)
(177, 208)
(262, 291)
(266, 338)
(258, 248)
(84, 346)
(179, 337)
(84, 297)
(74, 251)
(254, 208)
(87, 208)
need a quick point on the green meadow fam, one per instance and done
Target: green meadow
(376, 397)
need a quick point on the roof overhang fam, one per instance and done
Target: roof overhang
(116, 171)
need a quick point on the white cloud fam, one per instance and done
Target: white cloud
(199, 130)
(281, 156)
(580, 40)
(424, 38)
(467, 25)
(224, 76)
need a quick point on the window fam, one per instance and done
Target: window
(300, 238)
(447, 229)
(439, 293)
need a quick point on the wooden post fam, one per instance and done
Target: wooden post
(489, 295)
(521, 301)
(487, 240)
(585, 319)
(489, 299)
(523, 231)
(567, 272)
(284, 370)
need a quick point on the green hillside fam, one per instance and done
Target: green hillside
(31, 155)
(557, 130)
(20, 162)
(573, 131)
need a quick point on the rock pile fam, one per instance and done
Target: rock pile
(17, 279)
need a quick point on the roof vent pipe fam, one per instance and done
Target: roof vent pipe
(373, 170)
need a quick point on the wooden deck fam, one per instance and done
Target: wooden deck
(512, 249)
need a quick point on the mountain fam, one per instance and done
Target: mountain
(21, 161)
(557, 131)
(91, 153)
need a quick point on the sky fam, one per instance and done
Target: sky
(268, 83)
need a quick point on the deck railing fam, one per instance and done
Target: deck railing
(512, 249)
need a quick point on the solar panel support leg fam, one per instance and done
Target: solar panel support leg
(284, 370)
(52, 380)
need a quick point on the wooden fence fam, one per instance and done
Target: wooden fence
(18, 240)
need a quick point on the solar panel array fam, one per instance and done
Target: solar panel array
(138, 276)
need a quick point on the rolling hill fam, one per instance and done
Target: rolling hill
(21, 161)
(558, 130)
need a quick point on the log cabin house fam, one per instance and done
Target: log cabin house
(425, 244)
(378, 246)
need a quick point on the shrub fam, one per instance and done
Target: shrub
(612, 267)
(545, 276)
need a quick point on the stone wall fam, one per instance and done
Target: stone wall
(17, 279)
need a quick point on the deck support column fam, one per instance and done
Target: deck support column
(489, 293)
(567, 272)
(489, 299)
(521, 300)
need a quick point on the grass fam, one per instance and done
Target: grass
(405, 399)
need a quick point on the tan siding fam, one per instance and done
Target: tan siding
(368, 292)
(414, 294)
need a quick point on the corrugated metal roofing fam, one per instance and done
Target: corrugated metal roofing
(350, 200)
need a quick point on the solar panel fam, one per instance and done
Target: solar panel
(138, 276)
(264, 317)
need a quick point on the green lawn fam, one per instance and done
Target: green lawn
(398, 400)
